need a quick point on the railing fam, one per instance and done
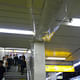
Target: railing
(29, 75)
(15, 75)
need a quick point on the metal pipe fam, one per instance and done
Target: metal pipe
(33, 19)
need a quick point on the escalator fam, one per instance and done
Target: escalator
(14, 74)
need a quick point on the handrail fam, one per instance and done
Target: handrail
(28, 72)
(29, 75)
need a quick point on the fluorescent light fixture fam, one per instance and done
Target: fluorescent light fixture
(15, 31)
(8, 50)
(74, 22)
(29, 51)
(55, 58)
(18, 51)
(58, 73)
(76, 64)
(15, 48)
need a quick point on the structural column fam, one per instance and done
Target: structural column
(1, 53)
(39, 61)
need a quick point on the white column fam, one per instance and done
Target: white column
(39, 61)
(2, 53)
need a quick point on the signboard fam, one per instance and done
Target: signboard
(59, 68)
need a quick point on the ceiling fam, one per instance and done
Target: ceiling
(23, 15)
(45, 14)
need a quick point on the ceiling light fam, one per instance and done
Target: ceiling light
(19, 51)
(58, 73)
(16, 51)
(29, 51)
(74, 22)
(15, 31)
(55, 58)
(76, 64)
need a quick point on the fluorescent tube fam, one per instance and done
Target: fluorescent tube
(55, 58)
(76, 64)
(15, 31)
(74, 22)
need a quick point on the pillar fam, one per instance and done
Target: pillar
(1, 53)
(39, 61)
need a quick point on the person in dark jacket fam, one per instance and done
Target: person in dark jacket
(2, 70)
(23, 65)
(19, 64)
(16, 60)
(23, 56)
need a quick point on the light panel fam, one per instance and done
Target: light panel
(16, 51)
(58, 73)
(50, 53)
(74, 22)
(55, 58)
(15, 31)
(19, 51)
(76, 64)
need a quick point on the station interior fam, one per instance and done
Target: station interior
(47, 33)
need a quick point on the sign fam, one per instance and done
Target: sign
(59, 68)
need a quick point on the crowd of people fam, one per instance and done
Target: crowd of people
(8, 61)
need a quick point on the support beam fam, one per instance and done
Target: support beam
(39, 61)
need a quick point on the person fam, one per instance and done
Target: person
(2, 70)
(5, 63)
(23, 65)
(23, 56)
(8, 62)
(11, 60)
(19, 63)
(16, 60)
